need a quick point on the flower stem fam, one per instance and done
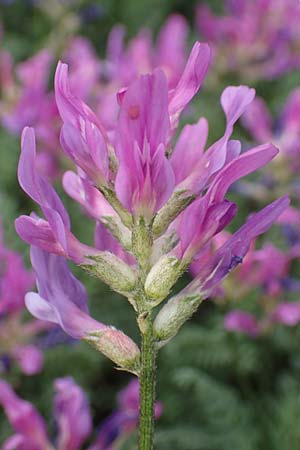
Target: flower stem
(147, 386)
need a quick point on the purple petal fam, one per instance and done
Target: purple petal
(144, 180)
(24, 419)
(16, 441)
(87, 148)
(54, 235)
(72, 413)
(53, 276)
(191, 79)
(258, 120)
(62, 298)
(105, 241)
(144, 114)
(36, 231)
(171, 52)
(71, 109)
(189, 149)
(234, 101)
(201, 222)
(230, 254)
(287, 313)
(41, 309)
(239, 167)
(291, 112)
(233, 150)
(130, 179)
(241, 322)
(115, 44)
(30, 359)
(34, 71)
(87, 195)
(38, 188)
(163, 179)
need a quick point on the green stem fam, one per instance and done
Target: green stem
(147, 387)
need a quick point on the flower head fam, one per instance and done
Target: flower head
(147, 196)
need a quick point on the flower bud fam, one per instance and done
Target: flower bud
(173, 315)
(113, 200)
(177, 203)
(163, 245)
(162, 278)
(112, 271)
(142, 241)
(118, 230)
(117, 346)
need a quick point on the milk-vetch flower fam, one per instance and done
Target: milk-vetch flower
(162, 205)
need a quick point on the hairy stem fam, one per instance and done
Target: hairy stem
(147, 385)
(142, 243)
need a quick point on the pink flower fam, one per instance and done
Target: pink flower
(82, 136)
(54, 233)
(257, 119)
(255, 39)
(72, 416)
(17, 336)
(71, 411)
(145, 179)
(86, 67)
(287, 313)
(241, 322)
(124, 420)
(29, 426)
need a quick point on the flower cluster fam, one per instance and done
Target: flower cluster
(254, 39)
(73, 419)
(161, 205)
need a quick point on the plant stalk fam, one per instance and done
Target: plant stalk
(147, 387)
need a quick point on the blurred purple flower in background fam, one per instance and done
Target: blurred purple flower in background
(266, 272)
(284, 132)
(17, 336)
(123, 421)
(241, 321)
(73, 418)
(26, 100)
(254, 39)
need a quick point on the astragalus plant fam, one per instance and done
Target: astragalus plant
(157, 206)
